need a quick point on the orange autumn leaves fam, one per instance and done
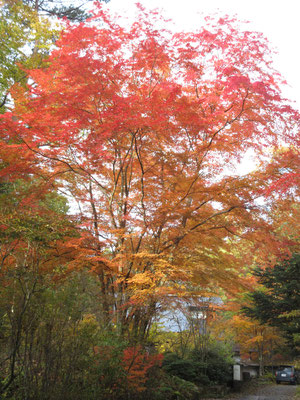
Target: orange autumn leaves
(140, 127)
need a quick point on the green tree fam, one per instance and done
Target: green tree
(32, 229)
(73, 10)
(26, 34)
(25, 39)
(277, 301)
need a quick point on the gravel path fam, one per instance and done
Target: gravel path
(272, 392)
(265, 392)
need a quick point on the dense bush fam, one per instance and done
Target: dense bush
(174, 388)
(217, 365)
(184, 369)
(213, 368)
(60, 349)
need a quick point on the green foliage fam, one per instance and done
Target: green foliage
(269, 377)
(24, 218)
(25, 39)
(217, 364)
(184, 369)
(277, 303)
(167, 341)
(173, 387)
(74, 11)
(215, 368)
(63, 352)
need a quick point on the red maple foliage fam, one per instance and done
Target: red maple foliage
(137, 363)
(143, 127)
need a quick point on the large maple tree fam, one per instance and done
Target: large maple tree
(144, 128)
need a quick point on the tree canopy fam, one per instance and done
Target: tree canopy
(141, 127)
(120, 191)
(74, 11)
(277, 302)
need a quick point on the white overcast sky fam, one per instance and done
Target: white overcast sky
(278, 20)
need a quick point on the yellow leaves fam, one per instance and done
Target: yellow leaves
(88, 327)
(146, 279)
(253, 336)
(290, 315)
(144, 284)
(153, 276)
(46, 32)
(88, 319)
(144, 255)
(255, 339)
